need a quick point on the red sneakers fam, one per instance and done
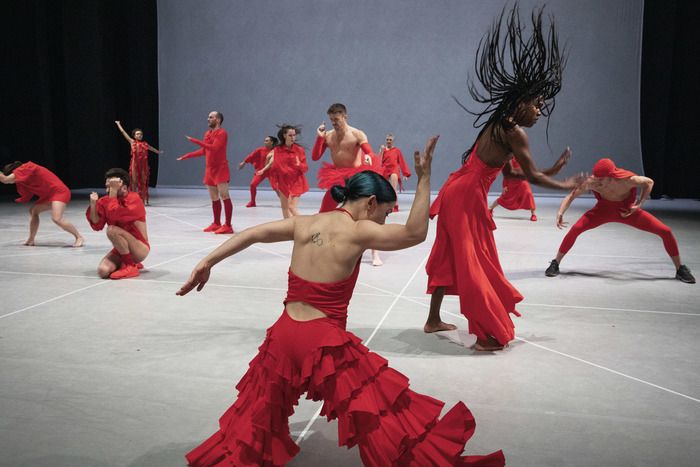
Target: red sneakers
(533, 218)
(224, 229)
(251, 204)
(125, 272)
(213, 227)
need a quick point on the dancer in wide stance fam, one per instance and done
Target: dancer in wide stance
(257, 159)
(464, 260)
(34, 180)
(517, 193)
(286, 166)
(616, 192)
(124, 214)
(309, 351)
(216, 173)
(139, 171)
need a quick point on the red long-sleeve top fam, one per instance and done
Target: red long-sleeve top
(393, 161)
(214, 149)
(121, 211)
(34, 180)
(257, 157)
(288, 169)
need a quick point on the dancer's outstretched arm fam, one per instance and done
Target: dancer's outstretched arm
(124, 133)
(271, 232)
(391, 237)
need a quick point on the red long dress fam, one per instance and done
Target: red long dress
(288, 170)
(34, 180)
(216, 169)
(464, 258)
(139, 172)
(375, 409)
(517, 193)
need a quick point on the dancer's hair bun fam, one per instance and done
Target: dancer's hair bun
(339, 193)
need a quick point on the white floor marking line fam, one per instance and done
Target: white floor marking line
(366, 342)
(631, 310)
(104, 281)
(595, 365)
(53, 299)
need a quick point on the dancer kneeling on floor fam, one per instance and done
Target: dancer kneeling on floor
(125, 215)
(616, 192)
(309, 351)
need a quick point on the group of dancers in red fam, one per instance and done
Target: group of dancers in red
(308, 349)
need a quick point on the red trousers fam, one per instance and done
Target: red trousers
(603, 213)
(375, 409)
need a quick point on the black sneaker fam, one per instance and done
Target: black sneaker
(553, 269)
(683, 274)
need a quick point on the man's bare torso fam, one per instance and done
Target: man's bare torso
(345, 147)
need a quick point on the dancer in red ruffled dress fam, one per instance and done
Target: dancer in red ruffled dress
(309, 351)
(124, 214)
(34, 180)
(393, 165)
(216, 172)
(139, 171)
(350, 153)
(286, 165)
(517, 193)
(257, 159)
(616, 192)
(464, 260)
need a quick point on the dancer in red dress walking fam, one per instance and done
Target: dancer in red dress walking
(139, 171)
(517, 193)
(393, 165)
(464, 260)
(309, 351)
(286, 166)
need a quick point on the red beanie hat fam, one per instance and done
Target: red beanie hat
(606, 168)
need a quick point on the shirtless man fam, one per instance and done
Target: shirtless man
(125, 215)
(616, 192)
(350, 153)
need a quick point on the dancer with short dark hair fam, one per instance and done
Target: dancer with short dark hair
(139, 170)
(124, 214)
(257, 159)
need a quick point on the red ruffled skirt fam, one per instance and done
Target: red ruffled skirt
(330, 175)
(373, 404)
(517, 194)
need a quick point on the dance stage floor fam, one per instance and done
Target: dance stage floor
(604, 370)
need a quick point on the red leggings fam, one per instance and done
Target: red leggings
(641, 220)
(257, 180)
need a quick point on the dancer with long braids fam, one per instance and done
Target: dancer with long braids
(309, 351)
(519, 77)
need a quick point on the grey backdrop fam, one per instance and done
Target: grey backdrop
(394, 64)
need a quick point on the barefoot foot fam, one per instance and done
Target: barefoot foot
(488, 345)
(29, 242)
(78, 242)
(439, 326)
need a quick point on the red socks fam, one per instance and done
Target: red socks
(127, 260)
(216, 207)
(228, 209)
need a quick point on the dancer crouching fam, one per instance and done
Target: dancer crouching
(125, 215)
(309, 351)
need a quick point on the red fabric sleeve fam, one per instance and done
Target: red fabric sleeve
(102, 217)
(129, 210)
(301, 154)
(251, 157)
(319, 148)
(190, 155)
(367, 149)
(402, 164)
(220, 138)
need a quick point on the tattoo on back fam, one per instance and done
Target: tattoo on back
(316, 239)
